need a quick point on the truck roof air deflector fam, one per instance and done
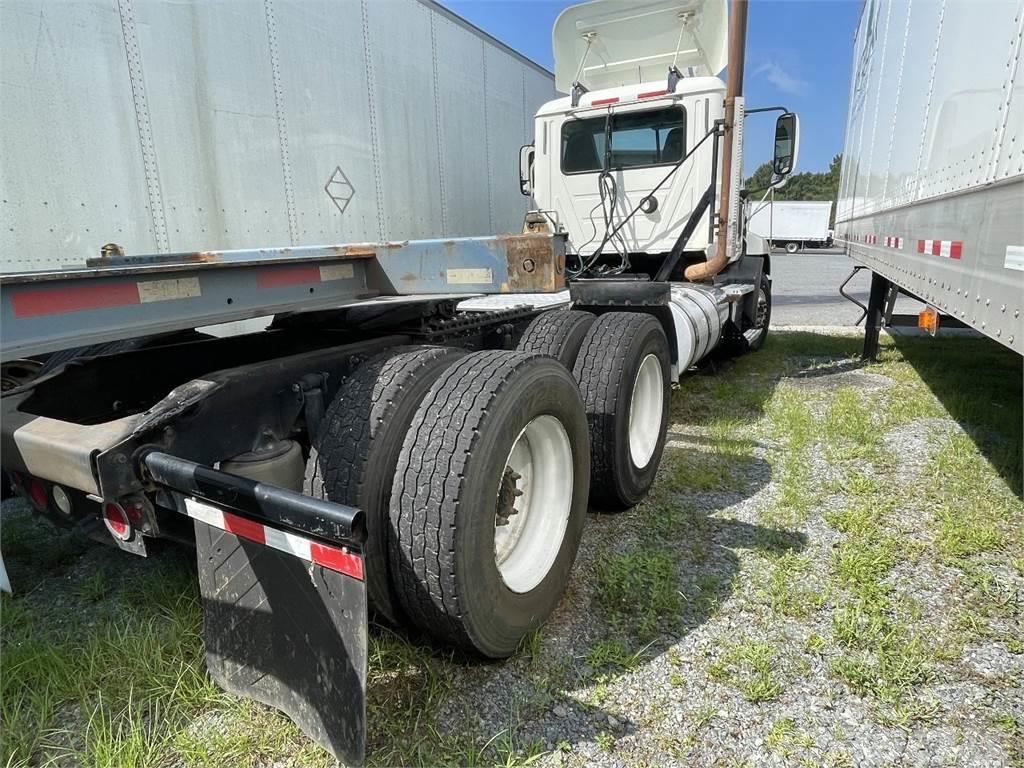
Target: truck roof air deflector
(608, 43)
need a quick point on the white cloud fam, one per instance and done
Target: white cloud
(781, 79)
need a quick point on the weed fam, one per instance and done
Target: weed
(613, 653)
(786, 588)
(605, 741)
(639, 589)
(95, 587)
(702, 716)
(814, 643)
(750, 667)
(531, 645)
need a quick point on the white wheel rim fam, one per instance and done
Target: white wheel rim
(526, 547)
(645, 411)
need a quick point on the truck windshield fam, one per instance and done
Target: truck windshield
(639, 139)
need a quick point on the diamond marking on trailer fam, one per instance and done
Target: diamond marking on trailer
(340, 189)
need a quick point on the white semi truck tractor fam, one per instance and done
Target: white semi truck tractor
(421, 426)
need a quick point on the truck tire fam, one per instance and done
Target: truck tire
(792, 247)
(757, 334)
(488, 505)
(623, 375)
(558, 333)
(354, 456)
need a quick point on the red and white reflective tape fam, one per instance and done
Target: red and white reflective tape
(894, 242)
(338, 559)
(870, 239)
(950, 249)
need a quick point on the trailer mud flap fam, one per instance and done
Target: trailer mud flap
(287, 632)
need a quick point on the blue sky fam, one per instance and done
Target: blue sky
(798, 55)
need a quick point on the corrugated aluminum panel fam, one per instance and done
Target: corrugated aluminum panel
(465, 178)
(71, 169)
(932, 185)
(180, 126)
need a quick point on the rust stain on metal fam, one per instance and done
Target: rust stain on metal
(536, 263)
(409, 277)
(355, 251)
(192, 257)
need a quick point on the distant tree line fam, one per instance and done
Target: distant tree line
(801, 186)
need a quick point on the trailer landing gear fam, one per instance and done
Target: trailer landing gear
(881, 301)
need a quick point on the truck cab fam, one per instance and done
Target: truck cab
(632, 158)
(644, 91)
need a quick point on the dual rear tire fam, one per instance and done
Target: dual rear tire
(474, 470)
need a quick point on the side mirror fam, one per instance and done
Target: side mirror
(787, 144)
(526, 154)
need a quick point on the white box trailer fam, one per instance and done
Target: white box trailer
(794, 225)
(932, 187)
(182, 126)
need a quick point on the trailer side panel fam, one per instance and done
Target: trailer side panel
(180, 126)
(932, 183)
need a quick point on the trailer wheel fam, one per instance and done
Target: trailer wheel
(488, 506)
(354, 456)
(558, 333)
(623, 374)
(762, 315)
(792, 247)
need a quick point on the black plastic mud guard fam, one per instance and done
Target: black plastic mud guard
(288, 633)
(284, 600)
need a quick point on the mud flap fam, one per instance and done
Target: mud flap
(288, 633)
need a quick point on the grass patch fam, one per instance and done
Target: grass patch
(110, 692)
(791, 421)
(849, 429)
(751, 667)
(785, 739)
(786, 589)
(613, 653)
(639, 590)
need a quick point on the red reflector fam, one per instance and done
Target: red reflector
(599, 102)
(58, 301)
(653, 94)
(116, 521)
(37, 494)
(280, 277)
(336, 559)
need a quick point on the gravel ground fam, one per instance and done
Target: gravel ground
(798, 489)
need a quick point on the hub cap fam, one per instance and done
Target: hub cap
(645, 411)
(534, 498)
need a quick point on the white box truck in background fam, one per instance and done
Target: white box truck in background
(170, 127)
(931, 196)
(794, 225)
